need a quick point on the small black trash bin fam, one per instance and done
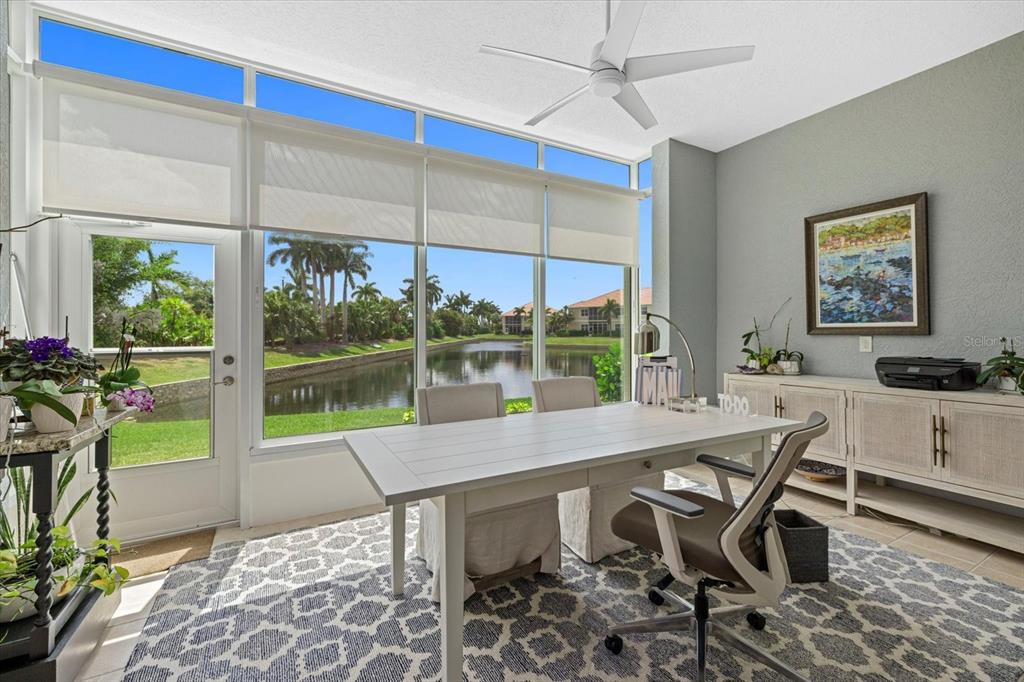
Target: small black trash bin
(805, 542)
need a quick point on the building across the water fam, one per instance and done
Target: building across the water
(593, 316)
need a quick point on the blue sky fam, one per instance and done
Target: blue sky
(505, 279)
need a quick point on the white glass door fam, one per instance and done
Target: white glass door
(175, 468)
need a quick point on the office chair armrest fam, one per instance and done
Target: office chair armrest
(727, 466)
(668, 502)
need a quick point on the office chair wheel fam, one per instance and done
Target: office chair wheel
(756, 620)
(655, 598)
(613, 643)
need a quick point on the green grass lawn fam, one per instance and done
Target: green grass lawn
(148, 442)
(277, 358)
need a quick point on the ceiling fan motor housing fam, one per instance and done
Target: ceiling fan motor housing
(607, 82)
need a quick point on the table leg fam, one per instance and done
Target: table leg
(452, 510)
(760, 458)
(398, 549)
(102, 461)
(44, 497)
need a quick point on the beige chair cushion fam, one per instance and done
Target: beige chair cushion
(443, 404)
(497, 540)
(698, 537)
(566, 393)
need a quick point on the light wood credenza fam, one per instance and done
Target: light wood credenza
(970, 443)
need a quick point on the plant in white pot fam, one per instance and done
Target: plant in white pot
(74, 566)
(789, 361)
(49, 359)
(1007, 369)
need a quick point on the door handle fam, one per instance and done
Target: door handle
(226, 381)
(782, 408)
(935, 446)
(942, 439)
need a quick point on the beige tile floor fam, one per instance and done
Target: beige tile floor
(112, 655)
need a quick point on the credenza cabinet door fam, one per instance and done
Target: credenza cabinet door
(760, 395)
(984, 447)
(895, 433)
(799, 401)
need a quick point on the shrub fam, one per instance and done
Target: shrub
(608, 373)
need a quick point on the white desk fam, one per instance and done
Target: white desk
(468, 467)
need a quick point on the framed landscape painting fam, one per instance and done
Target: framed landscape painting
(867, 269)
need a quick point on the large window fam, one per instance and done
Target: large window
(291, 97)
(481, 321)
(646, 245)
(472, 140)
(110, 55)
(165, 290)
(337, 334)
(558, 160)
(586, 330)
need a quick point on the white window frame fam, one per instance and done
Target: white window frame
(252, 260)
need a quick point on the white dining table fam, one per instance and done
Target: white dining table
(472, 466)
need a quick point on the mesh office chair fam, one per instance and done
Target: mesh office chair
(735, 553)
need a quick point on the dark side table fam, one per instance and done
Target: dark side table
(57, 641)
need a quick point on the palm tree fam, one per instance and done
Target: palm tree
(367, 290)
(484, 311)
(517, 314)
(349, 259)
(609, 311)
(434, 290)
(295, 252)
(159, 273)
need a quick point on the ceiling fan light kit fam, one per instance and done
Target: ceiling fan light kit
(612, 73)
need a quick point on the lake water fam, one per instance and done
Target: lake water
(391, 383)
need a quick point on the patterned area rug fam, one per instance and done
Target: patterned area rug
(314, 605)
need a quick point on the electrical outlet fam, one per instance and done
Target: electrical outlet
(865, 344)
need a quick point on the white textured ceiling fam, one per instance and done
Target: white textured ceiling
(810, 55)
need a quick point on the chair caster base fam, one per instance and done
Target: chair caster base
(614, 644)
(655, 598)
(756, 621)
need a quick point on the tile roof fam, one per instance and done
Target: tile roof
(616, 295)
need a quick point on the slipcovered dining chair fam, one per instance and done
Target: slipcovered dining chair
(585, 515)
(497, 540)
(735, 554)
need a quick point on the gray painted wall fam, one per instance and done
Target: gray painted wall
(955, 131)
(683, 241)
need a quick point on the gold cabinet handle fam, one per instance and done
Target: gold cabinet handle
(935, 447)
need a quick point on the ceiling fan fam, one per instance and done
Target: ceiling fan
(612, 73)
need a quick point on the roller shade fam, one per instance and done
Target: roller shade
(115, 154)
(591, 225)
(307, 181)
(480, 208)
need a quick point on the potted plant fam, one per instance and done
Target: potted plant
(759, 360)
(789, 360)
(29, 393)
(49, 359)
(1007, 369)
(74, 567)
(117, 385)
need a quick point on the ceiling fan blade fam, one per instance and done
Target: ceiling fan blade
(503, 52)
(620, 34)
(657, 65)
(630, 100)
(558, 105)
